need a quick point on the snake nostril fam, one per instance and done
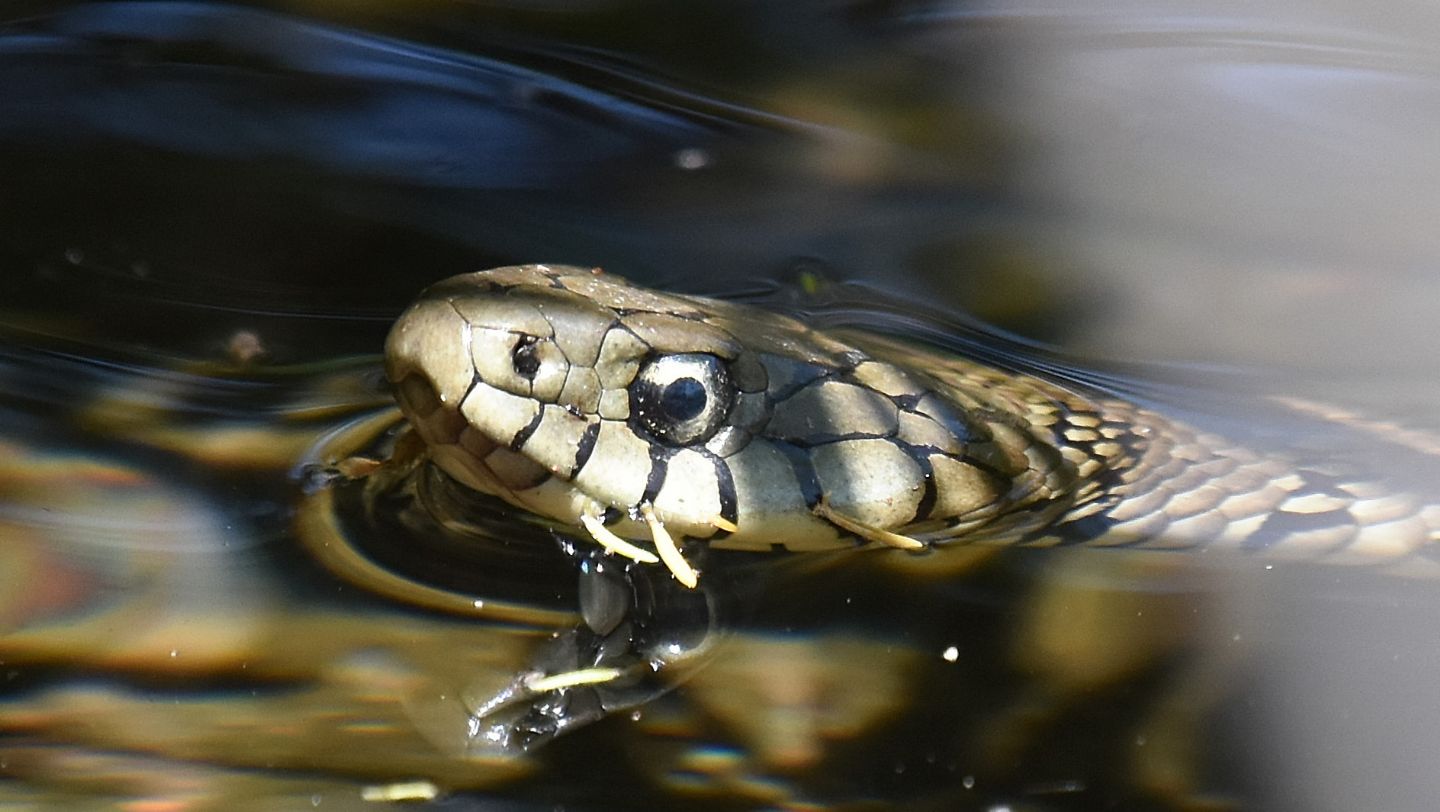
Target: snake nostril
(417, 393)
(526, 358)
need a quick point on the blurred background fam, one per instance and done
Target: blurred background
(210, 212)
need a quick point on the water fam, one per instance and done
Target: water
(211, 212)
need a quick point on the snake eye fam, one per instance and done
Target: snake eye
(526, 358)
(682, 399)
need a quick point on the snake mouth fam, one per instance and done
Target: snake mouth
(482, 463)
(468, 455)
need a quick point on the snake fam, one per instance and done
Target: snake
(658, 423)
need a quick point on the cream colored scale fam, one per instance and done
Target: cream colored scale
(646, 419)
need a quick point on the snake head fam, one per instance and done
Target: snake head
(567, 392)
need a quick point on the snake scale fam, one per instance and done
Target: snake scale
(654, 421)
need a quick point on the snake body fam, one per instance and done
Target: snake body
(641, 416)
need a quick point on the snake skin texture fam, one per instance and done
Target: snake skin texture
(571, 393)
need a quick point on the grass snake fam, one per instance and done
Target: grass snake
(654, 422)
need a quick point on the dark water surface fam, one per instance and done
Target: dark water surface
(209, 214)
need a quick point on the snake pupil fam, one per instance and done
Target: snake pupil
(683, 399)
(525, 358)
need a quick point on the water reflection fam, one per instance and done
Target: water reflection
(332, 99)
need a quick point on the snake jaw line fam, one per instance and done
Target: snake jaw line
(669, 552)
(863, 530)
(722, 523)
